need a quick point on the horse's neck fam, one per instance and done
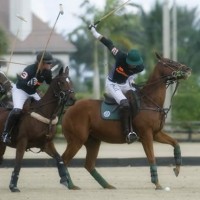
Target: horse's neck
(154, 90)
(48, 103)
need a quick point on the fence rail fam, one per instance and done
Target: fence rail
(189, 131)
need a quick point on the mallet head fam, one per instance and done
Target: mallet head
(21, 18)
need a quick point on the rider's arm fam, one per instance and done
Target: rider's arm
(108, 43)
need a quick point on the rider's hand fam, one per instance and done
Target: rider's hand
(92, 28)
(32, 82)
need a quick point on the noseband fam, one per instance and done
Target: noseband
(63, 96)
(176, 73)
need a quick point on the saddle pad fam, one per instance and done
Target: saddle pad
(110, 111)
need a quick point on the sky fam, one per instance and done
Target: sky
(48, 10)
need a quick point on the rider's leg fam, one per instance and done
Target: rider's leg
(19, 97)
(9, 124)
(115, 90)
(125, 120)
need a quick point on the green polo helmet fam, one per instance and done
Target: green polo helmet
(47, 57)
(133, 58)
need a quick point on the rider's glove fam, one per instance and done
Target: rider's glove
(32, 82)
(92, 28)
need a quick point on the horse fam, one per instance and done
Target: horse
(82, 124)
(37, 125)
(5, 91)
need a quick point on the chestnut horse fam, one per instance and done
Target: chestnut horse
(83, 125)
(37, 126)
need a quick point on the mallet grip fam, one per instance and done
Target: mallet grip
(61, 9)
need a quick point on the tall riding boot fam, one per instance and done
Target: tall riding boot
(9, 124)
(125, 120)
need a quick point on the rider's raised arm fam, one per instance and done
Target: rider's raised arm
(107, 42)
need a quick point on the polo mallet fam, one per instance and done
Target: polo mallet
(60, 13)
(14, 43)
(110, 13)
(17, 63)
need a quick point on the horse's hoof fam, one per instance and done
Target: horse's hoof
(110, 187)
(74, 187)
(176, 171)
(14, 189)
(159, 187)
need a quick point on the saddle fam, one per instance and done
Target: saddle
(110, 108)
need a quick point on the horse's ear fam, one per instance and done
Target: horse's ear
(66, 70)
(61, 70)
(158, 56)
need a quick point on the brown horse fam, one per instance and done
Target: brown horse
(37, 126)
(5, 91)
(83, 125)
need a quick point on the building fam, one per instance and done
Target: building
(28, 37)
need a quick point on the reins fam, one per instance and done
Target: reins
(169, 79)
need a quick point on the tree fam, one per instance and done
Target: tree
(3, 42)
(142, 30)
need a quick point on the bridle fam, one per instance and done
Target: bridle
(176, 74)
(64, 99)
(60, 95)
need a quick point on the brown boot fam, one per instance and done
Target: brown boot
(131, 136)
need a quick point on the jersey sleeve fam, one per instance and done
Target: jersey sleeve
(24, 77)
(109, 44)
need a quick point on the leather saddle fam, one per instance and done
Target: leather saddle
(110, 108)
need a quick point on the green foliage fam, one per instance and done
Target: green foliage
(186, 104)
(142, 30)
(3, 42)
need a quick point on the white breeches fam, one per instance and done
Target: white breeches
(19, 97)
(117, 91)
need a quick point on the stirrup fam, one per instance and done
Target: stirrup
(131, 137)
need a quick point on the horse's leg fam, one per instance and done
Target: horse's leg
(147, 142)
(20, 149)
(92, 146)
(166, 139)
(69, 153)
(2, 151)
(62, 170)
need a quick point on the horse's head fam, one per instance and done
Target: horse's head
(5, 84)
(63, 88)
(172, 70)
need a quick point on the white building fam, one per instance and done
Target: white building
(27, 38)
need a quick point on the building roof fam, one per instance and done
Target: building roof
(38, 38)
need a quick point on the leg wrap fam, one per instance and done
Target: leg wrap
(154, 174)
(14, 180)
(99, 178)
(177, 155)
(61, 170)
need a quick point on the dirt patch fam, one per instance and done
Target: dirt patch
(131, 183)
